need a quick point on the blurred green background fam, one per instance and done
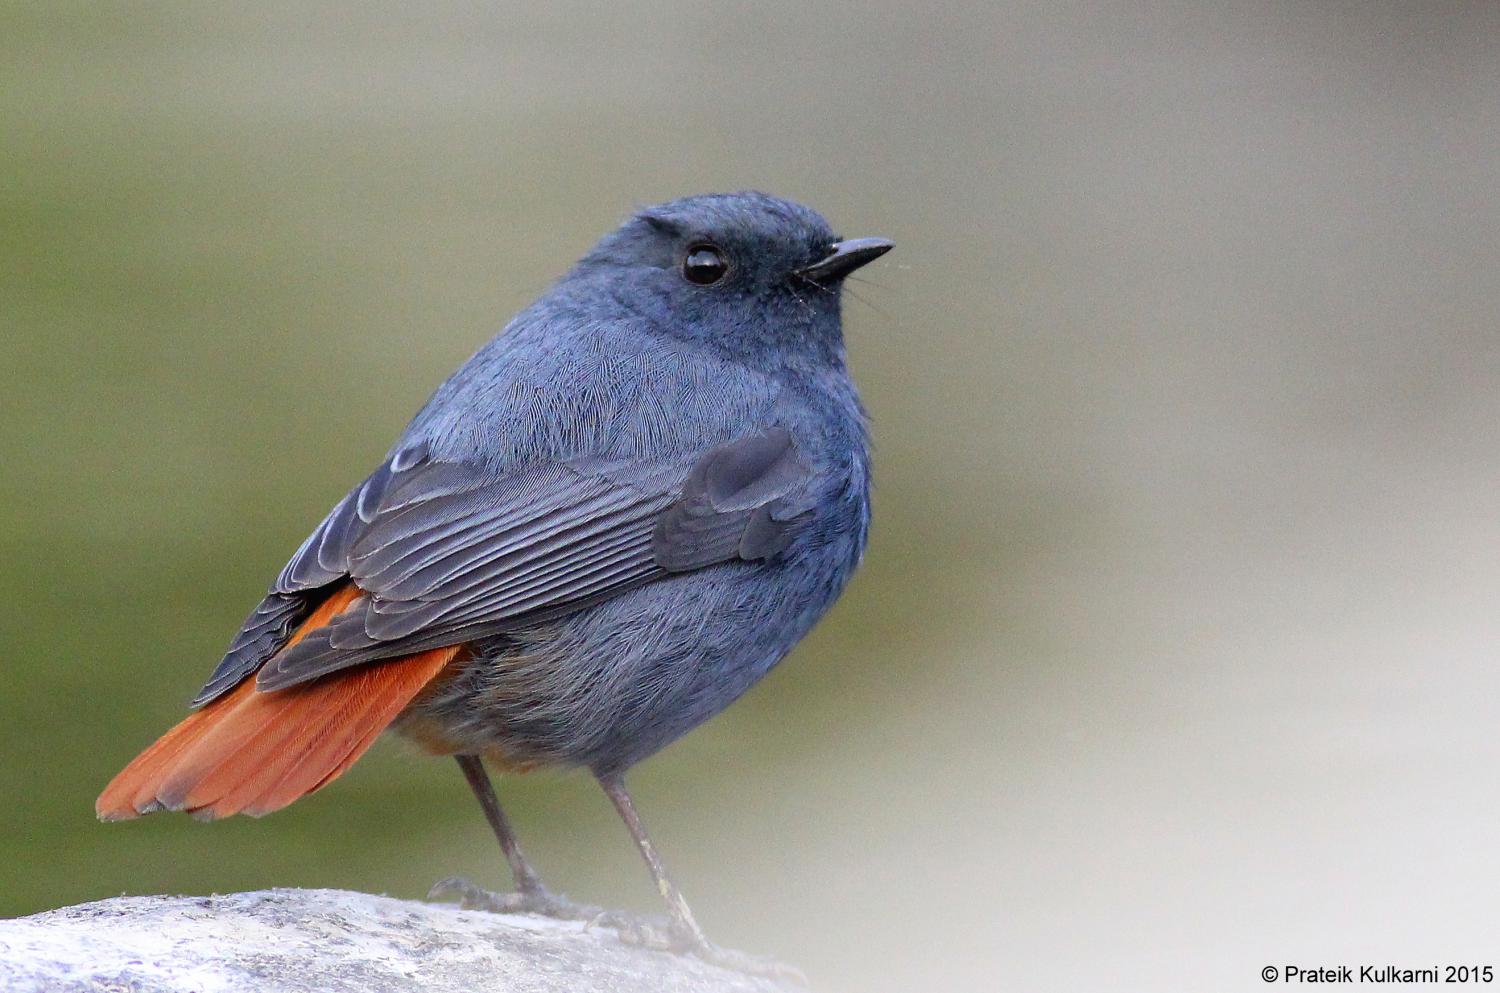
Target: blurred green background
(1174, 653)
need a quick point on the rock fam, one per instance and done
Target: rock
(331, 941)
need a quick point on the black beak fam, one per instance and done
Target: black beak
(846, 256)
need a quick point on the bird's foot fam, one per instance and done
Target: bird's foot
(664, 935)
(656, 933)
(534, 900)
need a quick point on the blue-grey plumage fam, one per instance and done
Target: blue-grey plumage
(533, 507)
(600, 531)
(610, 684)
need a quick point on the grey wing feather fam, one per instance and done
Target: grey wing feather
(264, 632)
(734, 505)
(444, 553)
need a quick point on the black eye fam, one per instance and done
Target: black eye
(704, 265)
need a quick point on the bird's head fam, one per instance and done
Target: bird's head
(754, 276)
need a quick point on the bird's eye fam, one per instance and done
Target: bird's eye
(704, 265)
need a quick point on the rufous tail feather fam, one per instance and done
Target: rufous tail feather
(251, 752)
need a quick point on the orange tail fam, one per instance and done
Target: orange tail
(252, 752)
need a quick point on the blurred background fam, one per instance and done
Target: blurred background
(1174, 652)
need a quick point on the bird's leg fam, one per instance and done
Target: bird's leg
(530, 896)
(686, 934)
(683, 934)
(526, 878)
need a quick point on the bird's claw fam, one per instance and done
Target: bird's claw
(662, 935)
(655, 933)
(537, 900)
(750, 965)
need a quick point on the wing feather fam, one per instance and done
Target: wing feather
(444, 552)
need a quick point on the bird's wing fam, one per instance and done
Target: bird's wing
(444, 552)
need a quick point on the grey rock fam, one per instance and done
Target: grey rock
(331, 941)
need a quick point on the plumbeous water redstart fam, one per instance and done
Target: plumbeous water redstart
(600, 531)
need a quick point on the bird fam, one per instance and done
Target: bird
(609, 523)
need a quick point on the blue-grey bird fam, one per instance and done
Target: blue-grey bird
(598, 533)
